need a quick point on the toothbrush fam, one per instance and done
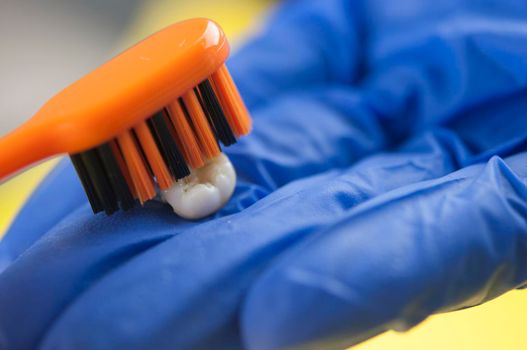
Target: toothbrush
(151, 119)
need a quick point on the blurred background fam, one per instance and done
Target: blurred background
(47, 44)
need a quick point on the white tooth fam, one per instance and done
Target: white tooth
(205, 191)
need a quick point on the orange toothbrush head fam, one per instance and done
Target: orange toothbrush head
(140, 121)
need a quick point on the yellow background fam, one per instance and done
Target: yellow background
(500, 324)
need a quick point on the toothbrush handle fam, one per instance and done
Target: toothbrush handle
(21, 148)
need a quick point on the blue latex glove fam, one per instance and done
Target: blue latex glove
(385, 181)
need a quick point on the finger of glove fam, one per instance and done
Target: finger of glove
(304, 43)
(187, 291)
(498, 127)
(67, 260)
(429, 247)
(59, 194)
(433, 61)
(306, 133)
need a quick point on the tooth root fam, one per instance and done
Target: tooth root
(205, 191)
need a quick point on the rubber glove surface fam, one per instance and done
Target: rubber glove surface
(385, 181)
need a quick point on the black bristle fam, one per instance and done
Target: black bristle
(167, 145)
(115, 176)
(103, 180)
(100, 180)
(207, 115)
(214, 112)
(86, 181)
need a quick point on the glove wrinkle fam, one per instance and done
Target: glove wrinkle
(444, 244)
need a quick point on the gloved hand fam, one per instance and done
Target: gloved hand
(385, 181)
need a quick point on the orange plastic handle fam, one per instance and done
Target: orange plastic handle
(119, 94)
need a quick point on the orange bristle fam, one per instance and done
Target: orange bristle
(231, 101)
(157, 164)
(185, 137)
(208, 144)
(142, 181)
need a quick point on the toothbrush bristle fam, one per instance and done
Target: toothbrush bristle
(214, 113)
(184, 135)
(159, 127)
(162, 149)
(155, 159)
(205, 136)
(231, 102)
(141, 178)
(106, 186)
